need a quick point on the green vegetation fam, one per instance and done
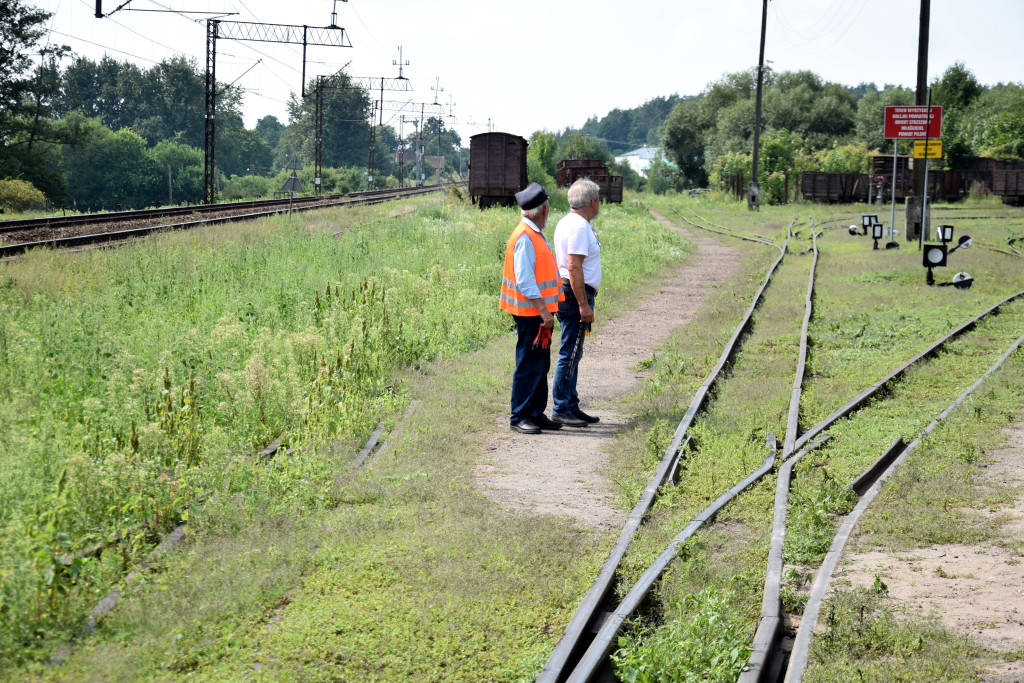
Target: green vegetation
(866, 640)
(872, 310)
(18, 195)
(704, 641)
(101, 134)
(236, 335)
(811, 124)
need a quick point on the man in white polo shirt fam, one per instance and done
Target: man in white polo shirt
(578, 253)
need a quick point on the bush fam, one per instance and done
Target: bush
(707, 642)
(20, 195)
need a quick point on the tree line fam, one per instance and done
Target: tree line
(104, 134)
(808, 124)
(812, 124)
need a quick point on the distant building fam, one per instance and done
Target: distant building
(639, 159)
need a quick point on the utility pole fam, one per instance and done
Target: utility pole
(400, 62)
(916, 227)
(331, 36)
(419, 149)
(754, 190)
(170, 190)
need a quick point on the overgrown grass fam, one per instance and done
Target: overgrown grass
(239, 334)
(872, 311)
(865, 640)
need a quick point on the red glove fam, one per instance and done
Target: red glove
(543, 339)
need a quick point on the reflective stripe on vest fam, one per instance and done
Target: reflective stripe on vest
(545, 272)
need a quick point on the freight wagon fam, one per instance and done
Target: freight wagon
(569, 171)
(497, 168)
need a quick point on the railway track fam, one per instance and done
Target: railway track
(583, 651)
(18, 236)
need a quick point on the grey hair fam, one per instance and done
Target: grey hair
(582, 192)
(534, 212)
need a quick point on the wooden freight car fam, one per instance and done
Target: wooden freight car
(569, 171)
(497, 168)
(1009, 186)
(834, 187)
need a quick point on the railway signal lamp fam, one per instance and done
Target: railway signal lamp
(946, 233)
(867, 220)
(876, 232)
(934, 257)
(964, 242)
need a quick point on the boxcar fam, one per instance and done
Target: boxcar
(1009, 186)
(497, 168)
(569, 171)
(834, 187)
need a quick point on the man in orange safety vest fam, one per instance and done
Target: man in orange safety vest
(530, 292)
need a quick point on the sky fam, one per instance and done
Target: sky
(548, 65)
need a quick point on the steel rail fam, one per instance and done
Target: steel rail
(861, 398)
(801, 646)
(1009, 243)
(572, 641)
(759, 238)
(602, 644)
(762, 665)
(793, 424)
(54, 222)
(605, 639)
(9, 250)
(764, 662)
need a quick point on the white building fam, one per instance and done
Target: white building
(639, 159)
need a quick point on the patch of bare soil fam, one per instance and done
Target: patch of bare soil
(975, 590)
(562, 472)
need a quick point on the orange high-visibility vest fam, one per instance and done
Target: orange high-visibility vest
(545, 272)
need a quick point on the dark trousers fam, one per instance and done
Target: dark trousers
(530, 381)
(563, 391)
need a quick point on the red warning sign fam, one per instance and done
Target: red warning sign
(912, 123)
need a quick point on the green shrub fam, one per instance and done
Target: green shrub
(707, 642)
(20, 195)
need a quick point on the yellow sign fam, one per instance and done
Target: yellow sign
(934, 149)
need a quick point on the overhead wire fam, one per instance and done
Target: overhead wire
(155, 42)
(105, 47)
(838, 23)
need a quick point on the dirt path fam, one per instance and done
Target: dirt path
(975, 590)
(562, 472)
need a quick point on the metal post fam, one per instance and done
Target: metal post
(892, 219)
(170, 190)
(419, 149)
(209, 164)
(304, 30)
(318, 136)
(920, 95)
(754, 192)
(924, 197)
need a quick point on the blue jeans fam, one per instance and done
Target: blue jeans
(563, 392)
(530, 381)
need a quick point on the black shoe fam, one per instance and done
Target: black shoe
(543, 422)
(589, 419)
(568, 420)
(526, 426)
